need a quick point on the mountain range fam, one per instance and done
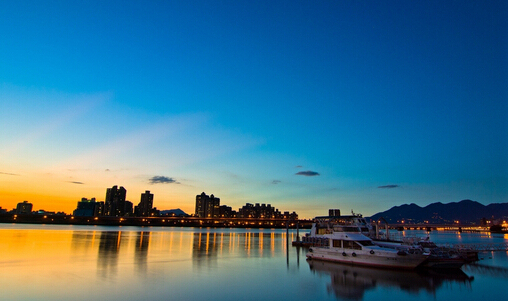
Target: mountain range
(174, 212)
(465, 212)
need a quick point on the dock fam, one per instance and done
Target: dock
(479, 247)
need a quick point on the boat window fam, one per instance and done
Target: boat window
(349, 244)
(337, 243)
(366, 243)
(321, 231)
(346, 229)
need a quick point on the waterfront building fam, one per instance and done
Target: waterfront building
(207, 206)
(88, 207)
(292, 216)
(24, 208)
(145, 206)
(226, 211)
(129, 208)
(259, 211)
(115, 204)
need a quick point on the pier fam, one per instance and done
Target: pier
(484, 247)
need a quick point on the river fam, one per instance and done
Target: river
(68, 262)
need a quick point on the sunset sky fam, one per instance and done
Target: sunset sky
(304, 105)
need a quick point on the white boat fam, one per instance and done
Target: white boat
(347, 244)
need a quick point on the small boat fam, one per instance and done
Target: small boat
(347, 244)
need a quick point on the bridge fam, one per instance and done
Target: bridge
(430, 227)
(157, 221)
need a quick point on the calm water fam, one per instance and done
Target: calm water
(47, 262)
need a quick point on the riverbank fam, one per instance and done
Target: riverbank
(154, 221)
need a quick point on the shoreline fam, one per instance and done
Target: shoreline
(153, 221)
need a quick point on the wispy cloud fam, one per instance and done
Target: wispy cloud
(388, 186)
(8, 174)
(60, 117)
(162, 180)
(179, 137)
(75, 182)
(275, 181)
(307, 173)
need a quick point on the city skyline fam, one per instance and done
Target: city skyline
(116, 204)
(303, 105)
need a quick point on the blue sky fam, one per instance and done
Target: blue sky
(383, 103)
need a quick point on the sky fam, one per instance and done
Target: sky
(304, 105)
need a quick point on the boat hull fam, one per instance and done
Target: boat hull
(443, 263)
(382, 259)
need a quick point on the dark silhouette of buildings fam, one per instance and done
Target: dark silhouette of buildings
(115, 204)
(88, 207)
(264, 211)
(226, 211)
(24, 208)
(145, 206)
(207, 206)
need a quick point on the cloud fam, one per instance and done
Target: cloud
(275, 181)
(307, 173)
(74, 182)
(298, 166)
(162, 180)
(388, 186)
(8, 174)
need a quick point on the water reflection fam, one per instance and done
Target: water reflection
(141, 251)
(205, 247)
(109, 248)
(134, 263)
(351, 282)
(211, 245)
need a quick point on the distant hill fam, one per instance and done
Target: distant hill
(174, 212)
(465, 212)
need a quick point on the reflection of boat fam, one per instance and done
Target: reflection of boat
(351, 282)
(347, 244)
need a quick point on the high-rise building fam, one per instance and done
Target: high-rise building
(88, 207)
(24, 208)
(207, 206)
(200, 202)
(115, 201)
(145, 206)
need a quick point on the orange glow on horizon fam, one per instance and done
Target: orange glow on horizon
(61, 196)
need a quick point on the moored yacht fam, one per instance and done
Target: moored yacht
(347, 244)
